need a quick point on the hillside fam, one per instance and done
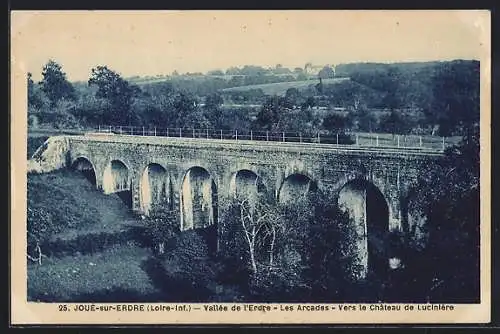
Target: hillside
(70, 212)
(280, 88)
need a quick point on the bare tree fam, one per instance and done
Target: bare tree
(260, 222)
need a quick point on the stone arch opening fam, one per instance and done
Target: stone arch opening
(369, 211)
(198, 199)
(155, 188)
(116, 179)
(86, 167)
(296, 186)
(247, 184)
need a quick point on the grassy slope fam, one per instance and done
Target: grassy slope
(280, 88)
(69, 195)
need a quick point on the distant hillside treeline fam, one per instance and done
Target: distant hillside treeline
(444, 94)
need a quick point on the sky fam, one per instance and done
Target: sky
(159, 42)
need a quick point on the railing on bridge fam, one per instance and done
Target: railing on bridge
(341, 138)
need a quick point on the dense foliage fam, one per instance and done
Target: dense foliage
(449, 197)
(395, 98)
(288, 252)
(162, 227)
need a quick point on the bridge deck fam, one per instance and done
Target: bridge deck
(259, 145)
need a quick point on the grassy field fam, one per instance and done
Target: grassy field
(280, 88)
(226, 77)
(115, 274)
(390, 140)
(127, 273)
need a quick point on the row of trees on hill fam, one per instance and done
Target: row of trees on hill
(250, 70)
(443, 95)
(300, 73)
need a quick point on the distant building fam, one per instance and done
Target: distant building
(313, 70)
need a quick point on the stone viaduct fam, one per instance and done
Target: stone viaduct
(194, 175)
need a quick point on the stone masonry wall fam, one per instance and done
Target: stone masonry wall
(392, 172)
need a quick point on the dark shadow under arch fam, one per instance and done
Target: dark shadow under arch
(86, 167)
(198, 194)
(116, 179)
(247, 183)
(295, 187)
(155, 187)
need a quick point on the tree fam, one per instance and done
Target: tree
(187, 113)
(391, 82)
(213, 109)
(36, 98)
(215, 72)
(233, 71)
(270, 113)
(308, 103)
(455, 96)
(312, 243)
(260, 222)
(117, 91)
(366, 120)
(330, 241)
(326, 73)
(394, 123)
(252, 70)
(39, 227)
(447, 196)
(163, 225)
(279, 69)
(298, 70)
(307, 67)
(335, 123)
(31, 88)
(54, 83)
(292, 96)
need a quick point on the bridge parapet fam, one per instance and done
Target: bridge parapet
(358, 138)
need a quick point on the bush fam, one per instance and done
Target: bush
(162, 226)
(189, 268)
